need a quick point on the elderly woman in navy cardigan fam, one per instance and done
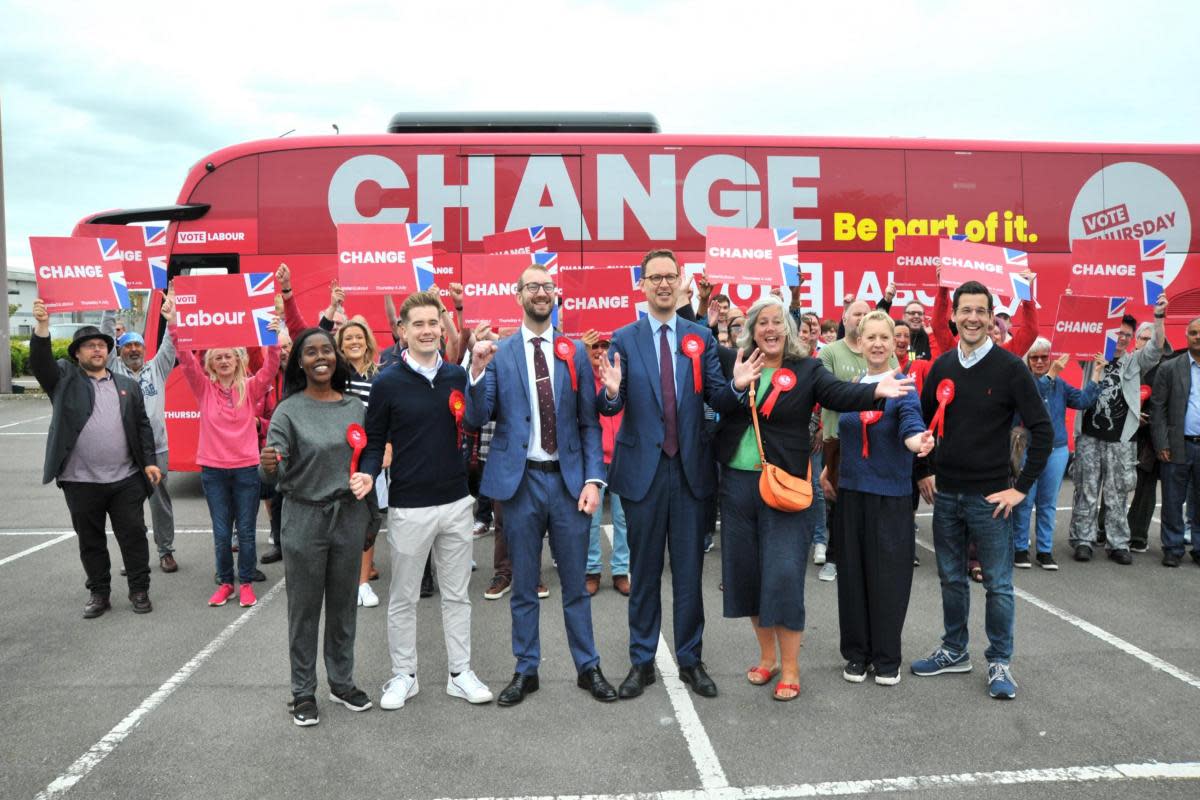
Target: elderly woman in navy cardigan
(764, 550)
(875, 489)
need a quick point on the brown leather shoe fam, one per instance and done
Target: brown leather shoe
(621, 584)
(167, 563)
(97, 604)
(592, 582)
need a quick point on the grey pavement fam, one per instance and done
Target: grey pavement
(192, 709)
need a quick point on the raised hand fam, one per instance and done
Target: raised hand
(456, 295)
(590, 337)
(1160, 306)
(1098, 367)
(337, 295)
(40, 314)
(747, 371)
(891, 386)
(610, 376)
(889, 292)
(283, 278)
(481, 355)
(167, 309)
(703, 287)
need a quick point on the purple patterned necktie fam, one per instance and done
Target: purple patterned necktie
(666, 369)
(545, 396)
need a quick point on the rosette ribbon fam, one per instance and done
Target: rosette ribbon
(458, 407)
(783, 380)
(693, 348)
(945, 394)
(868, 418)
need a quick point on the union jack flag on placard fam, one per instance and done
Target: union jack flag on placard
(420, 233)
(110, 249)
(120, 289)
(158, 271)
(154, 235)
(1016, 258)
(262, 284)
(1153, 285)
(1118, 307)
(547, 260)
(789, 261)
(1022, 286)
(1152, 248)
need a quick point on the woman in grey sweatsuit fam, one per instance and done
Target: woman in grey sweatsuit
(308, 456)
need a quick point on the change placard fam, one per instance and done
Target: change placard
(490, 286)
(1133, 268)
(79, 273)
(601, 299)
(385, 258)
(130, 241)
(522, 240)
(756, 256)
(1085, 326)
(997, 268)
(225, 310)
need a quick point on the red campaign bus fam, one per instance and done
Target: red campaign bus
(608, 187)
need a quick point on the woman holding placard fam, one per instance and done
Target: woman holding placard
(764, 550)
(875, 490)
(312, 451)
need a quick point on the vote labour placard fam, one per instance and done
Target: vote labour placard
(997, 268)
(490, 286)
(225, 310)
(129, 240)
(79, 273)
(916, 261)
(1130, 268)
(757, 256)
(600, 299)
(1083, 324)
(385, 258)
(522, 240)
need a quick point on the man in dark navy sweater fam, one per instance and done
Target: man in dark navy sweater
(974, 490)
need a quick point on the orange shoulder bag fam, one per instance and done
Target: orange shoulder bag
(779, 489)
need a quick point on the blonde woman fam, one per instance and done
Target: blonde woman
(357, 345)
(228, 453)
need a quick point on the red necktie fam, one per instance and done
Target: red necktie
(666, 368)
(545, 396)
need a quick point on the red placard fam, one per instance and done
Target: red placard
(758, 256)
(130, 241)
(997, 268)
(1081, 326)
(1118, 268)
(204, 235)
(522, 240)
(385, 259)
(600, 299)
(79, 273)
(916, 261)
(490, 286)
(225, 310)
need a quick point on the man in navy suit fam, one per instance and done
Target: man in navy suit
(545, 466)
(663, 369)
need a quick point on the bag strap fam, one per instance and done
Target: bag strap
(762, 457)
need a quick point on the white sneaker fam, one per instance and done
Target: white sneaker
(397, 690)
(819, 554)
(480, 529)
(828, 572)
(468, 687)
(367, 596)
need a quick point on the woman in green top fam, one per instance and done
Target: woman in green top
(764, 551)
(308, 455)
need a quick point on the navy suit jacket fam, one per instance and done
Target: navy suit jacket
(502, 394)
(639, 441)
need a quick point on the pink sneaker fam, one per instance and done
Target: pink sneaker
(221, 595)
(246, 595)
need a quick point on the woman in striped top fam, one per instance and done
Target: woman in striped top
(357, 344)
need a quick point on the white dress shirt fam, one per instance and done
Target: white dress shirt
(969, 360)
(536, 453)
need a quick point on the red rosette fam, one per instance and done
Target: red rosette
(693, 347)
(357, 438)
(458, 407)
(1145, 392)
(945, 394)
(868, 418)
(784, 380)
(565, 351)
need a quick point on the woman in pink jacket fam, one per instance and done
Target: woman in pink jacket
(228, 454)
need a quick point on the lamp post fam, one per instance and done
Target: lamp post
(5, 344)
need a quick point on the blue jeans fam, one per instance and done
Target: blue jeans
(619, 564)
(959, 519)
(232, 495)
(1175, 490)
(1044, 495)
(820, 535)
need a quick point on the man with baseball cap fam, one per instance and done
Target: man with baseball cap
(129, 359)
(100, 449)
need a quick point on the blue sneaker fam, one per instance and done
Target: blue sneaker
(1000, 681)
(941, 660)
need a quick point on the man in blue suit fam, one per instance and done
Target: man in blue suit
(545, 466)
(662, 468)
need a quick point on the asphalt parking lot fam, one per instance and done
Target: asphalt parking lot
(189, 701)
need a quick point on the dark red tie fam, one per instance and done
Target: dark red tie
(545, 396)
(666, 368)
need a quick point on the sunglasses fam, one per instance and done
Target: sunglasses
(1039, 358)
(600, 346)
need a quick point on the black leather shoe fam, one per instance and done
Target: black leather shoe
(427, 588)
(96, 605)
(1168, 560)
(1121, 557)
(141, 602)
(640, 676)
(594, 681)
(698, 679)
(259, 576)
(1083, 552)
(272, 555)
(518, 687)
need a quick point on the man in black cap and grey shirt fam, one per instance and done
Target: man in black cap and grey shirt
(100, 449)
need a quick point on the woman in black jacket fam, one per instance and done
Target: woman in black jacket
(763, 549)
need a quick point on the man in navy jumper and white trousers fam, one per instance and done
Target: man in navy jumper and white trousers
(975, 492)
(545, 467)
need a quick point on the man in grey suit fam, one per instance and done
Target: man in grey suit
(1175, 427)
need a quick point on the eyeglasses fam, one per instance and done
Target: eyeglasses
(1124, 335)
(1039, 358)
(600, 346)
(658, 280)
(534, 288)
(737, 326)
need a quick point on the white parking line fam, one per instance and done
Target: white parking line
(1152, 770)
(111, 740)
(23, 421)
(700, 747)
(60, 538)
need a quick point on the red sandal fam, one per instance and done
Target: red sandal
(759, 676)
(781, 686)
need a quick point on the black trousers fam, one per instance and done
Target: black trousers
(123, 503)
(874, 576)
(1141, 510)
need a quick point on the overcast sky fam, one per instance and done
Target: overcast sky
(107, 105)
